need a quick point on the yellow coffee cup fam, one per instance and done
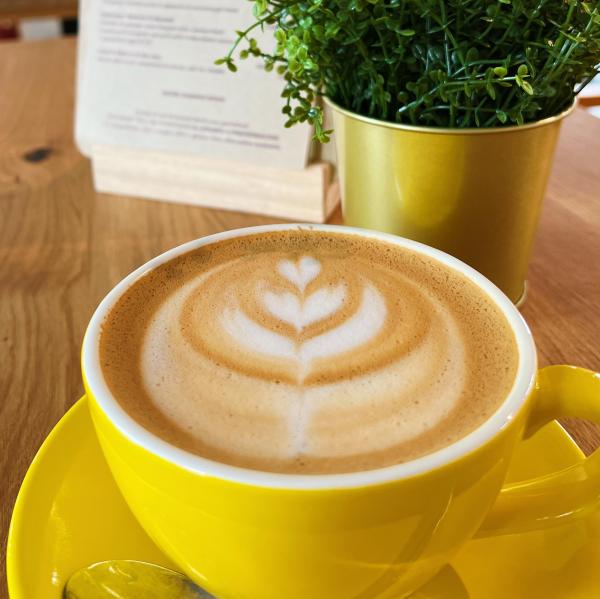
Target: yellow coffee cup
(244, 534)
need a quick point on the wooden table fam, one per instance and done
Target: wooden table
(63, 246)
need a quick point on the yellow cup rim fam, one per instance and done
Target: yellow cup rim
(99, 392)
(450, 130)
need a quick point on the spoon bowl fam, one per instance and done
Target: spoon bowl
(127, 579)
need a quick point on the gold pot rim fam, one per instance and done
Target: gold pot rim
(450, 130)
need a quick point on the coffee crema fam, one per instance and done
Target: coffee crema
(307, 351)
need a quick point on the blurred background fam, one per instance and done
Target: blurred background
(37, 19)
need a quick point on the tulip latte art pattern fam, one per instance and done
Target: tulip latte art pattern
(300, 310)
(287, 359)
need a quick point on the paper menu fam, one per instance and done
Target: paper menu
(147, 80)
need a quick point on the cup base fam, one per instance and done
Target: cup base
(519, 303)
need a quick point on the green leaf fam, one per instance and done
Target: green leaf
(472, 54)
(332, 29)
(527, 87)
(407, 32)
(260, 6)
(522, 71)
(500, 71)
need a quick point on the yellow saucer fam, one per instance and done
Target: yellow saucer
(69, 514)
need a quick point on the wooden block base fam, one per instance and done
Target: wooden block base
(308, 195)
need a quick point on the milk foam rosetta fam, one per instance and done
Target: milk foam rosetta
(307, 352)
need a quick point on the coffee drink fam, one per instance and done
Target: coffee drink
(307, 351)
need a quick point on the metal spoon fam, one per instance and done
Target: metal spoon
(129, 579)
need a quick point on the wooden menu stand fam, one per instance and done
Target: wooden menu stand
(184, 148)
(308, 195)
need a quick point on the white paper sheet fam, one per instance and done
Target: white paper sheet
(147, 79)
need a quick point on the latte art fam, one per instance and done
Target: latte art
(297, 326)
(310, 356)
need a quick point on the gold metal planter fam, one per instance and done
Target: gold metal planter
(474, 193)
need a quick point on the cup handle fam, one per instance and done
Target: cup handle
(551, 499)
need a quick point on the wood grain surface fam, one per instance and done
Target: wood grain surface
(62, 247)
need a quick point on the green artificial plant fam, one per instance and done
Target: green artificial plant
(441, 63)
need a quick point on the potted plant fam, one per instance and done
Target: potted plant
(446, 112)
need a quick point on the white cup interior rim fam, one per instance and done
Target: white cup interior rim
(521, 388)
